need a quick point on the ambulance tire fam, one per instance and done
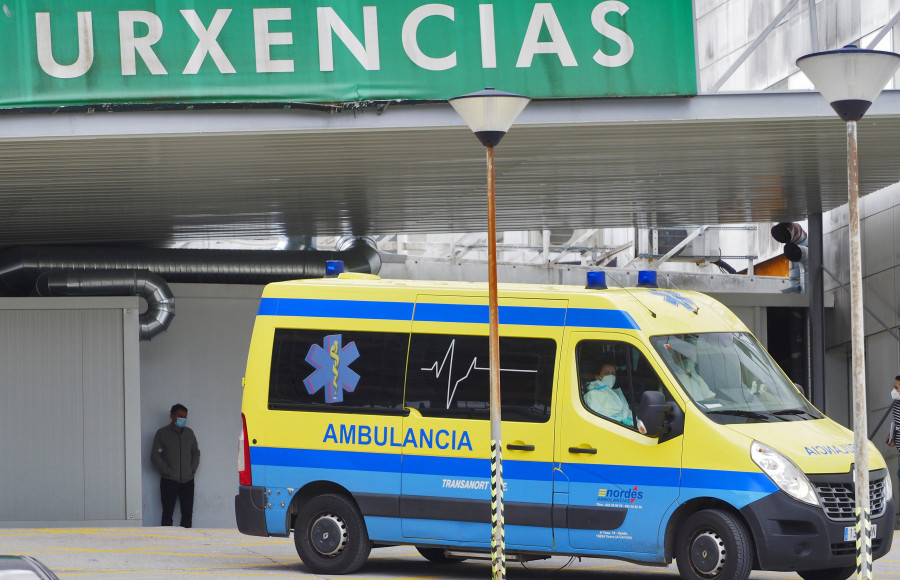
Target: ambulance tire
(713, 544)
(828, 573)
(438, 556)
(330, 535)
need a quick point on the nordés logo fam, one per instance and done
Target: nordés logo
(620, 495)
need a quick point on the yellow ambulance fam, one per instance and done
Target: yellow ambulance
(641, 424)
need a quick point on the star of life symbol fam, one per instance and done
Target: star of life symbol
(332, 368)
(675, 299)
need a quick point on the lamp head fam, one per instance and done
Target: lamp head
(596, 280)
(850, 78)
(334, 268)
(489, 113)
(647, 279)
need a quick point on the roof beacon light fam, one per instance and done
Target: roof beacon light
(596, 280)
(647, 279)
(334, 268)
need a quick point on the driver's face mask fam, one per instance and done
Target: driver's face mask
(606, 382)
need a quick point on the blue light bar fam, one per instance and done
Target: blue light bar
(334, 268)
(647, 279)
(596, 280)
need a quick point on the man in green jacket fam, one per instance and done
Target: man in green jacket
(176, 455)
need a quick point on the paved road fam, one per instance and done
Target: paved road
(166, 553)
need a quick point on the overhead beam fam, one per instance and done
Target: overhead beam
(753, 46)
(884, 31)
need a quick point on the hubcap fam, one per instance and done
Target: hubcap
(328, 535)
(708, 553)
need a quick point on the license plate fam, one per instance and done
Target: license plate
(850, 533)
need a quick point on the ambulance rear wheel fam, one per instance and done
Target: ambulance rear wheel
(438, 556)
(828, 573)
(330, 535)
(714, 545)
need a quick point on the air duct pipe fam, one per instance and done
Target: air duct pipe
(120, 271)
(20, 267)
(794, 238)
(160, 301)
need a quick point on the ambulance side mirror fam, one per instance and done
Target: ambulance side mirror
(652, 413)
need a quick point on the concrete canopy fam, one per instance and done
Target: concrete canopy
(157, 177)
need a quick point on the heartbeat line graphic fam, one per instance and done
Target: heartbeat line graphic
(438, 369)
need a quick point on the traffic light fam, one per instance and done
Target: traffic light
(793, 236)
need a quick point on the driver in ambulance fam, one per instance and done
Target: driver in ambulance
(602, 398)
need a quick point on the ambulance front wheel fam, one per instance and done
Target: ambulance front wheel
(331, 536)
(714, 545)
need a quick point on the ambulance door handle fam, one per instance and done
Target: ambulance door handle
(588, 450)
(514, 447)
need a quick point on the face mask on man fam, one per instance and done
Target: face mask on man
(606, 382)
(895, 395)
(180, 422)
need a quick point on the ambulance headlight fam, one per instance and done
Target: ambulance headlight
(784, 473)
(888, 487)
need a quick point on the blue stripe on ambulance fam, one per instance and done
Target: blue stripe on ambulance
(335, 309)
(379, 473)
(318, 459)
(738, 488)
(600, 318)
(478, 314)
(465, 467)
(450, 313)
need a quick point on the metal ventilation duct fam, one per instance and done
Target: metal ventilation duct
(120, 271)
(160, 301)
(20, 267)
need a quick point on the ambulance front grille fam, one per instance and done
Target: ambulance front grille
(849, 548)
(838, 499)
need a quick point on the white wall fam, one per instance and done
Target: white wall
(880, 234)
(199, 362)
(67, 414)
(725, 28)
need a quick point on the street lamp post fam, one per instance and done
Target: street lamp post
(851, 79)
(489, 114)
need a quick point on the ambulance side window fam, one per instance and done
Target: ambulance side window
(448, 376)
(613, 377)
(339, 370)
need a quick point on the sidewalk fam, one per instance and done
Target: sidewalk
(164, 553)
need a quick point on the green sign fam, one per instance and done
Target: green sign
(93, 52)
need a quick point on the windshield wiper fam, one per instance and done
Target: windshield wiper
(792, 412)
(739, 413)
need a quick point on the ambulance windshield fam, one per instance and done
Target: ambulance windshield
(732, 378)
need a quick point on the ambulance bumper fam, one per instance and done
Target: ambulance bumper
(250, 510)
(792, 536)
